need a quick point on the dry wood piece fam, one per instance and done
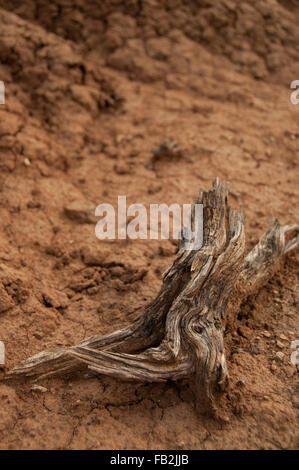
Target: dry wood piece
(180, 333)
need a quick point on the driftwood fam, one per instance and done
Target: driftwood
(180, 333)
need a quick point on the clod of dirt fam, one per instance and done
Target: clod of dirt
(54, 298)
(81, 212)
(169, 151)
(5, 300)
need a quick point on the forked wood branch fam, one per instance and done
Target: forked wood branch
(180, 333)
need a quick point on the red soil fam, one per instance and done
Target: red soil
(92, 90)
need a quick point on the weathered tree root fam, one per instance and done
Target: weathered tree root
(180, 334)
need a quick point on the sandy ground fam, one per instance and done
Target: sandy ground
(93, 89)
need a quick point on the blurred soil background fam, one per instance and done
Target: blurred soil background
(93, 90)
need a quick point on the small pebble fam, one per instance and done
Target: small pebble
(283, 337)
(241, 381)
(39, 388)
(266, 334)
(280, 355)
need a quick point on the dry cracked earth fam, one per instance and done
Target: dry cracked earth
(92, 91)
